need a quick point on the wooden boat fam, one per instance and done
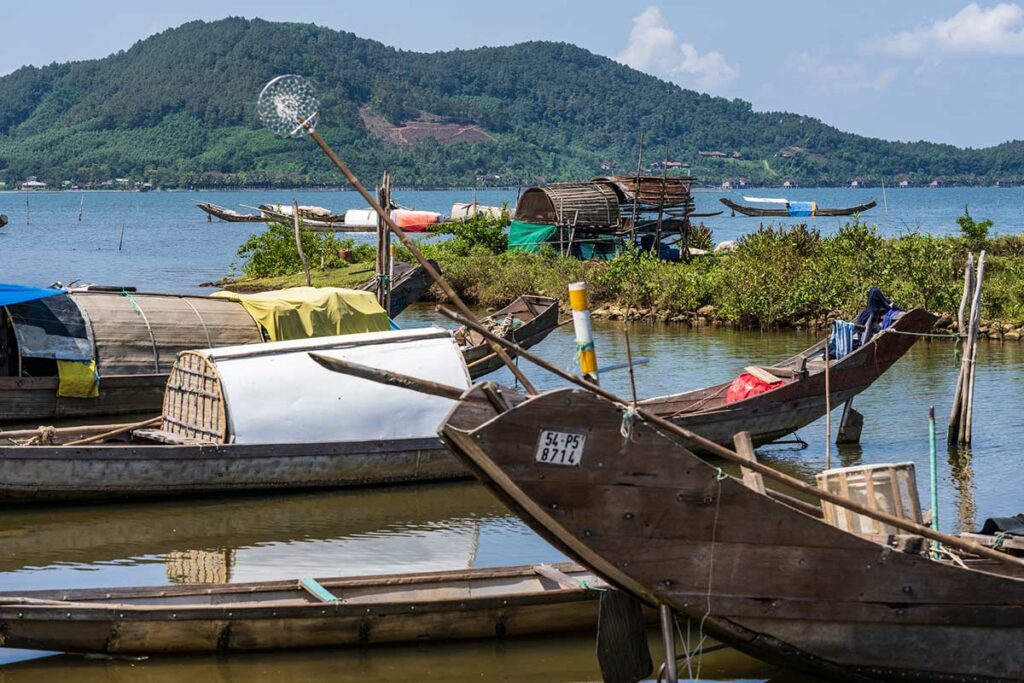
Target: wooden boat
(770, 579)
(134, 338)
(229, 215)
(250, 418)
(800, 397)
(3, 219)
(527, 321)
(791, 210)
(304, 613)
(409, 284)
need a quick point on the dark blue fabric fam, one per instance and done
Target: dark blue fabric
(16, 294)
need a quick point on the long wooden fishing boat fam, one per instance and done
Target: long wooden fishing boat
(251, 418)
(768, 577)
(335, 612)
(229, 215)
(792, 210)
(527, 321)
(133, 337)
(798, 398)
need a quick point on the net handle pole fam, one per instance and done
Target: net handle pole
(415, 251)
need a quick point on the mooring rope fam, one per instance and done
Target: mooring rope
(626, 429)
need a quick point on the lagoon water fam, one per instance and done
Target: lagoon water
(169, 247)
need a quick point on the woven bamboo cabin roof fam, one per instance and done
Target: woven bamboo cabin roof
(655, 191)
(578, 204)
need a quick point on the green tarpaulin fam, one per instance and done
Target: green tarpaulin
(529, 236)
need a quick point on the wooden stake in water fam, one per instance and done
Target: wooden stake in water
(584, 331)
(885, 200)
(120, 240)
(28, 212)
(81, 208)
(297, 222)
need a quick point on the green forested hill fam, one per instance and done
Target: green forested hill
(178, 109)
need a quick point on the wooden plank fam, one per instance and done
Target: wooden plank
(313, 587)
(745, 449)
(559, 577)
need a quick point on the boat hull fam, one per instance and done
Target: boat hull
(652, 517)
(424, 607)
(778, 413)
(107, 472)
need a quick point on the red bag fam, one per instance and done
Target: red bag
(746, 385)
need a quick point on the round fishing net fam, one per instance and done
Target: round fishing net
(288, 106)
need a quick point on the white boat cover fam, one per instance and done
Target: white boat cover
(276, 393)
(766, 200)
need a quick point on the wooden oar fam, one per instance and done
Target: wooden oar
(114, 432)
(732, 456)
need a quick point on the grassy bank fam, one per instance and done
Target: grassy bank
(776, 277)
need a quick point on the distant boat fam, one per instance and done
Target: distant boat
(3, 219)
(793, 209)
(229, 215)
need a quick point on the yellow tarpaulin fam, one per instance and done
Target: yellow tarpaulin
(303, 312)
(78, 379)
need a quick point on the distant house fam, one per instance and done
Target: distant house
(716, 154)
(736, 155)
(1005, 182)
(785, 154)
(789, 184)
(726, 184)
(938, 182)
(741, 182)
(856, 183)
(31, 183)
(904, 183)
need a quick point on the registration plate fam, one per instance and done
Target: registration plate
(560, 448)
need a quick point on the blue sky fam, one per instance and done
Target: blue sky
(942, 70)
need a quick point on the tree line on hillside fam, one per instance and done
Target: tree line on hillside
(178, 109)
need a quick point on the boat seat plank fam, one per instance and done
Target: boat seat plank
(764, 374)
(313, 587)
(162, 436)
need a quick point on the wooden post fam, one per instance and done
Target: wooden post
(745, 449)
(953, 426)
(384, 258)
(28, 212)
(636, 195)
(968, 421)
(120, 240)
(81, 208)
(298, 241)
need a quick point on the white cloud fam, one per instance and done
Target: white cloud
(997, 30)
(844, 78)
(654, 47)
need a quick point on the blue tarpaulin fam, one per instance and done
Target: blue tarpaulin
(801, 208)
(17, 294)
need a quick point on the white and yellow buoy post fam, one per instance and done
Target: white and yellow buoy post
(584, 330)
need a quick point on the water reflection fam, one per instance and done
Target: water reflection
(962, 473)
(556, 660)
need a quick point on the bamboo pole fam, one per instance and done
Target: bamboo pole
(410, 244)
(969, 417)
(726, 454)
(298, 241)
(115, 432)
(953, 426)
(388, 377)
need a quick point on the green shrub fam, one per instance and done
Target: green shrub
(273, 252)
(975, 233)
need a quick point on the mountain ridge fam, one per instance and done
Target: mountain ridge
(177, 109)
